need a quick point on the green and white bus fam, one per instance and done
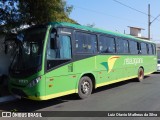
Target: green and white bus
(59, 58)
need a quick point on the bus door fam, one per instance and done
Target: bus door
(59, 76)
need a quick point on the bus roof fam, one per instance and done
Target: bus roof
(76, 26)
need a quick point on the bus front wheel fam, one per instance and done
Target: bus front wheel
(85, 87)
(140, 74)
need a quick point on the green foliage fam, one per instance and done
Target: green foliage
(9, 15)
(42, 11)
(14, 13)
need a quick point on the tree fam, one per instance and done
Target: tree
(14, 13)
(41, 11)
(9, 15)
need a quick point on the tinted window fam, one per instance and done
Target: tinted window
(122, 46)
(150, 52)
(154, 49)
(143, 48)
(85, 43)
(106, 44)
(64, 52)
(133, 46)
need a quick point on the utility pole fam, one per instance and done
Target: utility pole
(149, 22)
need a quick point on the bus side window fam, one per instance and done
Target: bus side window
(143, 48)
(63, 51)
(133, 46)
(65, 47)
(125, 45)
(85, 43)
(150, 49)
(122, 46)
(139, 48)
(153, 49)
(107, 44)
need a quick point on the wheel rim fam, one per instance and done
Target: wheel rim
(85, 87)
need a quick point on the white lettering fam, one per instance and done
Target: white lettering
(133, 61)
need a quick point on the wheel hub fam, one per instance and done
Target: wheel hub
(85, 87)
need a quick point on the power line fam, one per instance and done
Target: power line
(134, 9)
(130, 7)
(154, 19)
(105, 14)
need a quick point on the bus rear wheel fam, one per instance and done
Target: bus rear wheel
(140, 74)
(85, 87)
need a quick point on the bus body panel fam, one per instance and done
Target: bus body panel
(61, 81)
(64, 79)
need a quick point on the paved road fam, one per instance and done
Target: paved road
(124, 96)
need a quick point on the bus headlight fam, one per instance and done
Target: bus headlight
(34, 82)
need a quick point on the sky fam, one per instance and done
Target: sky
(110, 15)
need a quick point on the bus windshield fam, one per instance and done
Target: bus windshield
(28, 57)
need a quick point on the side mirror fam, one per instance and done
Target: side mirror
(54, 43)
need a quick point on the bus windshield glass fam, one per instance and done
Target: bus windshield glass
(28, 55)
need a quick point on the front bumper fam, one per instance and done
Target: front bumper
(18, 92)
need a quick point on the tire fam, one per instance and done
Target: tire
(140, 74)
(85, 87)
